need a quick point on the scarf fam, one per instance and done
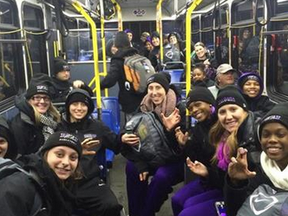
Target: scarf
(222, 157)
(278, 177)
(166, 107)
(49, 125)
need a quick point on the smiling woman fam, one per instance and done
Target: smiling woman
(37, 119)
(268, 184)
(56, 167)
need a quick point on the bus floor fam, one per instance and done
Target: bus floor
(117, 181)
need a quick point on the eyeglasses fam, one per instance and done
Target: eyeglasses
(39, 98)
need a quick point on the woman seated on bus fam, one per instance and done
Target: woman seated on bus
(248, 51)
(47, 187)
(37, 118)
(234, 128)
(199, 74)
(148, 47)
(262, 191)
(251, 87)
(8, 148)
(202, 55)
(155, 52)
(145, 197)
(93, 195)
(175, 50)
(201, 105)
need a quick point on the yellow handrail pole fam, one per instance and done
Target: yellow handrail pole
(102, 20)
(80, 9)
(189, 11)
(159, 27)
(119, 14)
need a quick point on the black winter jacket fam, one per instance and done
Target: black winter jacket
(128, 100)
(259, 106)
(60, 90)
(20, 193)
(92, 128)
(28, 136)
(198, 146)
(247, 138)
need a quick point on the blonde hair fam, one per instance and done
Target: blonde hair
(52, 111)
(231, 144)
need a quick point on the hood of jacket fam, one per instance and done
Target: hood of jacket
(26, 110)
(121, 53)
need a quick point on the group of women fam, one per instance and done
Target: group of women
(59, 153)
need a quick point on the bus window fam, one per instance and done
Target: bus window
(195, 30)
(281, 7)
(78, 44)
(11, 70)
(243, 11)
(35, 47)
(207, 32)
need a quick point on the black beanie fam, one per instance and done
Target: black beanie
(250, 76)
(230, 95)
(279, 113)
(162, 78)
(200, 93)
(60, 65)
(62, 138)
(122, 40)
(6, 133)
(37, 89)
(79, 95)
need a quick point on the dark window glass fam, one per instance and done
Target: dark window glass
(281, 6)
(195, 24)
(35, 47)
(223, 16)
(6, 13)
(207, 21)
(278, 61)
(11, 70)
(243, 11)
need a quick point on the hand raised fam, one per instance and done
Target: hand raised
(143, 176)
(172, 120)
(197, 167)
(238, 167)
(181, 138)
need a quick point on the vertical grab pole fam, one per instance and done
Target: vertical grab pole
(159, 27)
(80, 9)
(119, 14)
(103, 43)
(189, 11)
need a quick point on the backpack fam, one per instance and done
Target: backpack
(137, 70)
(265, 201)
(153, 146)
(8, 167)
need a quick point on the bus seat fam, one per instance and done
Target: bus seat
(113, 104)
(175, 75)
(108, 119)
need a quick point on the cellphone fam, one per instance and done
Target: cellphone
(220, 208)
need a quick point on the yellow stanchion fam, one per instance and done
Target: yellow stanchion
(80, 9)
(119, 15)
(159, 27)
(189, 11)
